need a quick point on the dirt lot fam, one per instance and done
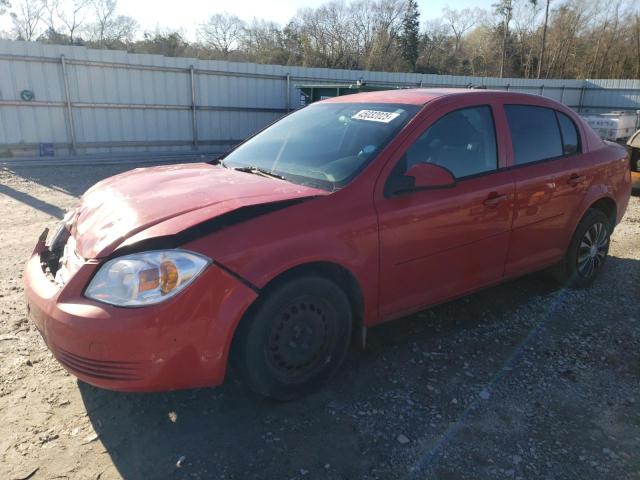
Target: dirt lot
(519, 381)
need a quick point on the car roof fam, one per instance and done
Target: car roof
(420, 96)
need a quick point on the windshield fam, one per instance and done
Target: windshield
(324, 145)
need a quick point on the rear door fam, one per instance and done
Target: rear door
(550, 184)
(436, 244)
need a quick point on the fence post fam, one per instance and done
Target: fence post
(194, 113)
(288, 96)
(72, 130)
(581, 101)
(562, 94)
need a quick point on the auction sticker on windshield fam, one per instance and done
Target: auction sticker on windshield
(375, 116)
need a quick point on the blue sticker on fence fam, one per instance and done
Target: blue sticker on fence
(47, 150)
(27, 95)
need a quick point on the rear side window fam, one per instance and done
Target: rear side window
(570, 142)
(534, 133)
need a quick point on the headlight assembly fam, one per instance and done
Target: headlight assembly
(145, 278)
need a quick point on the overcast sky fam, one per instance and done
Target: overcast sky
(187, 14)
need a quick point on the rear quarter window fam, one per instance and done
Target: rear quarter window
(570, 137)
(535, 133)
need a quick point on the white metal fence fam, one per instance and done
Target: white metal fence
(76, 100)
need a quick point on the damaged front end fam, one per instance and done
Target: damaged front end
(59, 258)
(142, 242)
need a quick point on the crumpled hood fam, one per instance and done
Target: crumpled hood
(122, 206)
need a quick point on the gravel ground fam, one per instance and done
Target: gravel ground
(518, 381)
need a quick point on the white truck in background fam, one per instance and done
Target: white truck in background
(614, 126)
(622, 127)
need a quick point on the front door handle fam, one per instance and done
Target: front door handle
(575, 179)
(494, 199)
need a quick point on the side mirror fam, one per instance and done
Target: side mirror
(422, 176)
(429, 175)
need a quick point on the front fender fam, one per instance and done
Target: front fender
(339, 229)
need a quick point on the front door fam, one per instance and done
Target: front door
(436, 244)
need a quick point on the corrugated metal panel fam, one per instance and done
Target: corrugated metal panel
(611, 94)
(127, 101)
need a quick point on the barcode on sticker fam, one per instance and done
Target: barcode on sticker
(375, 116)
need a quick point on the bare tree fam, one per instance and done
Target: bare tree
(524, 38)
(387, 30)
(367, 19)
(567, 38)
(170, 43)
(265, 42)
(434, 41)
(543, 46)
(105, 11)
(362, 34)
(26, 16)
(480, 48)
(222, 32)
(460, 22)
(524, 30)
(504, 9)
(50, 14)
(122, 29)
(72, 14)
(637, 38)
(64, 18)
(109, 27)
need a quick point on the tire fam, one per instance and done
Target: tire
(587, 251)
(295, 338)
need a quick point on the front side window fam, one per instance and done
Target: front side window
(534, 133)
(323, 145)
(463, 141)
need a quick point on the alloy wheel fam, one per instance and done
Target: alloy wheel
(593, 249)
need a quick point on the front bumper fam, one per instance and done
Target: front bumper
(181, 343)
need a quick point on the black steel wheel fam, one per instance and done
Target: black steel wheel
(294, 339)
(299, 338)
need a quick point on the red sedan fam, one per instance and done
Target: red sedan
(345, 214)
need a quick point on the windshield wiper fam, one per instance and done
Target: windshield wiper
(260, 171)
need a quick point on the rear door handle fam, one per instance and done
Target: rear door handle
(576, 179)
(494, 199)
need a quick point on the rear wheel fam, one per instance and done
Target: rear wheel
(295, 339)
(587, 252)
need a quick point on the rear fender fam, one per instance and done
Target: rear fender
(595, 193)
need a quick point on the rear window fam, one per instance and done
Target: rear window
(570, 139)
(534, 133)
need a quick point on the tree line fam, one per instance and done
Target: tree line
(511, 38)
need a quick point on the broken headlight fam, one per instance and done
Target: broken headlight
(145, 278)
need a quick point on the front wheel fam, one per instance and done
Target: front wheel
(295, 338)
(587, 252)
